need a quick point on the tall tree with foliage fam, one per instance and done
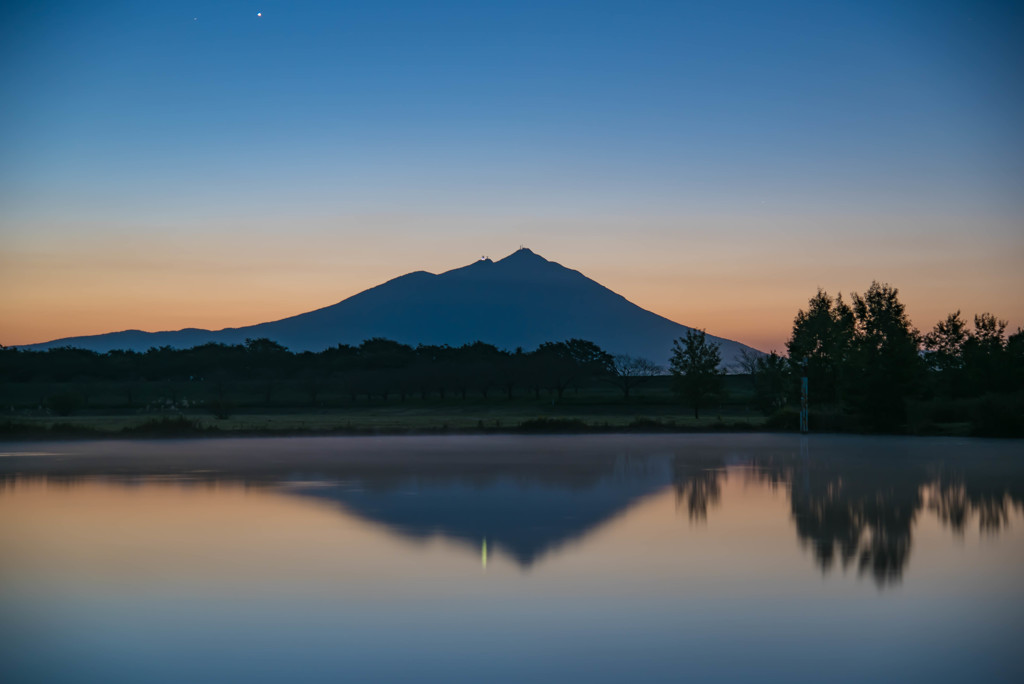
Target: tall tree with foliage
(823, 335)
(1015, 360)
(268, 363)
(588, 355)
(695, 367)
(560, 365)
(770, 378)
(944, 345)
(886, 355)
(944, 354)
(985, 358)
(627, 372)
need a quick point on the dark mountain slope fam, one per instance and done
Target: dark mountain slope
(519, 301)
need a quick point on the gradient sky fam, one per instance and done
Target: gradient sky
(193, 164)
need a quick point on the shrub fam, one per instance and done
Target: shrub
(221, 409)
(553, 425)
(165, 426)
(788, 420)
(998, 415)
(641, 423)
(64, 404)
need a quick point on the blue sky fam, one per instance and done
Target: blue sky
(138, 118)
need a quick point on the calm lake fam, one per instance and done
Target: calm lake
(622, 558)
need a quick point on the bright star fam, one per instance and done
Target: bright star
(259, 14)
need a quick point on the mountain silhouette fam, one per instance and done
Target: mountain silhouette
(525, 513)
(519, 301)
(526, 496)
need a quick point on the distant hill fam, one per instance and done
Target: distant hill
(519, 301)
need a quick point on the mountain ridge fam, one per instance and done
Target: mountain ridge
(519, 301)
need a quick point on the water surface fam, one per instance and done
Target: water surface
(587, 558)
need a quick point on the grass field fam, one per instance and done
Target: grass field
(599, 407)
(387, 419)
(169, 408)
(181, 409)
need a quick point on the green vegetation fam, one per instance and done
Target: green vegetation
(696, 369)
(869, 370)
(593, 407)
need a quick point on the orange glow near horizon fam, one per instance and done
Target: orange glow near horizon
(734, 277)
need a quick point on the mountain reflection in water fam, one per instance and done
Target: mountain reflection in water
(854, 502)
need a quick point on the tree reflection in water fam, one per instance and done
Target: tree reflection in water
(698, 489)
(955, 499)
(860, 513)
(853, 501)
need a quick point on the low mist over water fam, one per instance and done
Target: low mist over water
(611, 558)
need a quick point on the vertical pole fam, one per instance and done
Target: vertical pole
(803, 398)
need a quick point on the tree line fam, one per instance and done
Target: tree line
(868, 368)
(378, 368)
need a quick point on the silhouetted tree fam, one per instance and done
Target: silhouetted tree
(480, 362)
(770, 377)
(1015, 360)
(553, 367)
(267, 363)
(511, 371)
(379, 352)
(984, 354)
(944, 345)
(889, 367)
(591, 359)
(944, 354)
(627, 372)
(695, 366)
(125, 368)
(64, 403)
(313, 383)
(823, 335)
